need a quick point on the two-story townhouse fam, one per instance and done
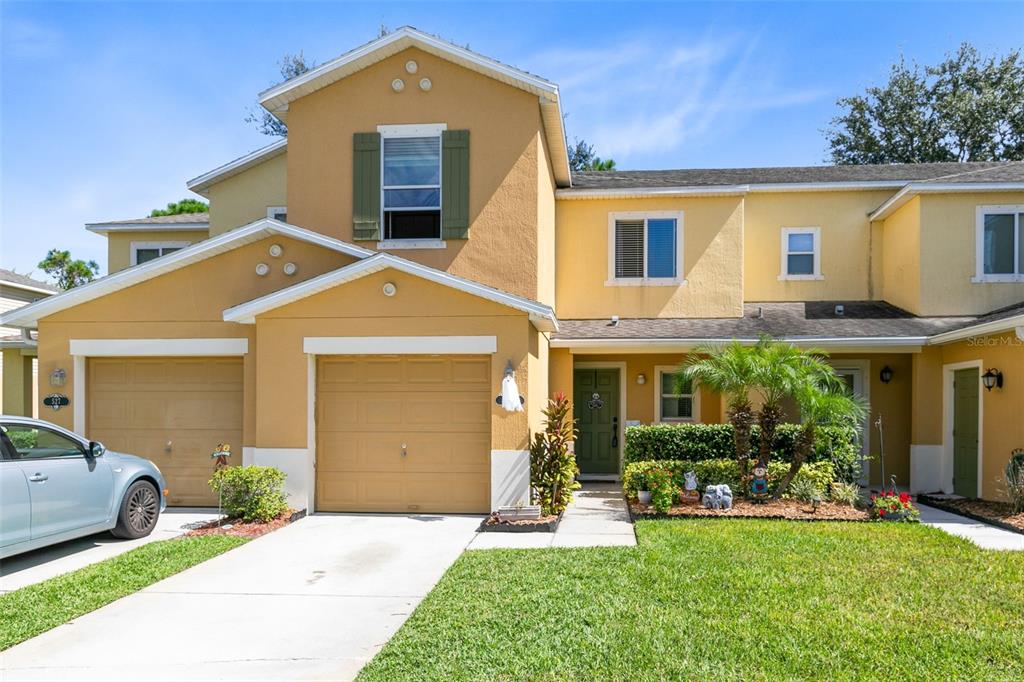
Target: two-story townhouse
(18, 364)
(362, 290)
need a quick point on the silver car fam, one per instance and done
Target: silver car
(55, 486)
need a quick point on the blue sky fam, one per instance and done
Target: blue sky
(106, 109)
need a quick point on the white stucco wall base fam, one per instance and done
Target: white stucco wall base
(296, 463)
(927, 470)
(510, 478)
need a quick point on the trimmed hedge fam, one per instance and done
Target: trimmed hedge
(718, 471)
(698, 442)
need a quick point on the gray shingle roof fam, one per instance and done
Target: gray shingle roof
(181, 218)
(1012, 171)
(24, 280)
(808, 319)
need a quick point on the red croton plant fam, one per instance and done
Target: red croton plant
(893, 506)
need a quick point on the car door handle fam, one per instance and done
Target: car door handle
(38, 478)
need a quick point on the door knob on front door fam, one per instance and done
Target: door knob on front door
(38, 478)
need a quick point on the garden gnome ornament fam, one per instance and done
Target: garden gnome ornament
(759, 483)
(220, 456)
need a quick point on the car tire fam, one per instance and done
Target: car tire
(140, 509)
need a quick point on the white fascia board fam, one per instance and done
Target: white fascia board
(28, 316)
(200, 183)
(28, 287)
(554, 133)
(104, 228)
(138, 348)
(661, 345)
(985, 328)
(725, 190)
(913, 189)
(276, 98)
(245, 313)
(403, 345)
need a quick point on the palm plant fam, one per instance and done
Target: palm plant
(822, 403)
(729, 371)
(781, 370)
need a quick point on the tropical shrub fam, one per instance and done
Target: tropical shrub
(251, 493)
(890, 506)
(1015, 480)
(842, 492)
(553, 467)
(715, 472)
(804, 489)
(663, 489)
(839, 445)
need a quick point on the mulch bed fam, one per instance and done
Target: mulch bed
(997, 513)
(793, 510)
(245, 529)
(545, 524)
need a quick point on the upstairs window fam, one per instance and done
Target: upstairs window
(142, 252)
(675, 403)
(801, 253)
(645, 249)
(1000, 244)
(411, 186)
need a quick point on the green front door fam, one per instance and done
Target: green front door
(965, 432)
(596, 408)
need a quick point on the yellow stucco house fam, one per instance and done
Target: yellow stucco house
(349, 308)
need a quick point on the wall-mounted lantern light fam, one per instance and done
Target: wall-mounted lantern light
(886, 374)
(992, 378)
(641, 379)
(58, 377)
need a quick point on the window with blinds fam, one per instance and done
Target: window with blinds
(646, 248)
(411, 187)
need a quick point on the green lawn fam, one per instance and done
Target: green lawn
(716, 600)
(35, 609)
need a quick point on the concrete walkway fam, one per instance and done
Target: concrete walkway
(981, 534)
(312, 601)
(42, 564)
(597, 517)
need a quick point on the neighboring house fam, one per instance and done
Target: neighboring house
(365, 286)
(19, 367)
(131, 242)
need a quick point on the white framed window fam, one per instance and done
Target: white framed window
(278, 213)
(645, 248)
(1000, 244)
(674, 403)
(142, 252)
(801, 253)
(410, 182)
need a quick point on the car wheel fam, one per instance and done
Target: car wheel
(140, 509)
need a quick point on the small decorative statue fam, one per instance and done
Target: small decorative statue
(220, 456)
(690, 494)
(759, 483)
(718, 497)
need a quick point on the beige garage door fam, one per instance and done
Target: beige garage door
(403, 433)
(173, 411)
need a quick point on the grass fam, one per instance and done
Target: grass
(707, 599)
(32, 610)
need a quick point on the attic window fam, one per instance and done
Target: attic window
(411, 182)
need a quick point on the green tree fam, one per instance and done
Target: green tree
(180, 207)
(68, 272)
(290, 66)
(730, 371)
(828, 405)
(966, 108)
(583, 158)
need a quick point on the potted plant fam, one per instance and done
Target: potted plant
(893, 506)
(643, 493)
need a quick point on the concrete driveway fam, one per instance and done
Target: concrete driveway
(49, 562)
(312, 601)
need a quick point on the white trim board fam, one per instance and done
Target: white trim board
(404, 345)
(201, 183)
(115, 348)
(948, 374)
(911, 190)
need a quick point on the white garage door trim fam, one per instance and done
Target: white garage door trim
(402, 345)
(80, 349)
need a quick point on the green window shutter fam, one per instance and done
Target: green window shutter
(366, 186)
(455, 184)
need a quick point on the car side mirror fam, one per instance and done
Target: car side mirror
(96, 449)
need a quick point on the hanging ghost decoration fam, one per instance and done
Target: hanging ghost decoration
(510, 394)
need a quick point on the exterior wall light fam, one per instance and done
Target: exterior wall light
(641, 379)
(992, 378)
(886, 374)
(58, 377)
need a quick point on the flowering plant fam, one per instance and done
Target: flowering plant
(663, 489)
(892, 506)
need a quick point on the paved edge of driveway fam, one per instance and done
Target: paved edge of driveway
(984, 535)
